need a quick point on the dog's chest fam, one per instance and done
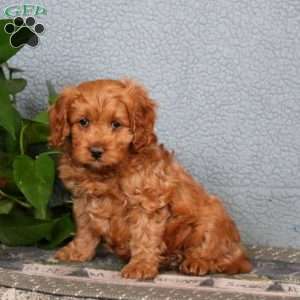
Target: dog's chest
(108, 216)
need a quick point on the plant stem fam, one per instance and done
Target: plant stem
(3, 194)
(50, 153)
(21, 139)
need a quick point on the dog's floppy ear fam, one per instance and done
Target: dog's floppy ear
(58, 117)
(143, 114)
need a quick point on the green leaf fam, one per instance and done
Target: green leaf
(6, 50)
(35, 179)
(6, 206)
(35, 133)
(52, 94)
(2, 74)
(3, 134)
(9, 117)
(6, 171)
(6, 160)
(11, 144)
(20, 230)
(42, 117)
(14, 86)
(63, 229)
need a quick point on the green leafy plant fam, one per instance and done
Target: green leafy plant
(34, 209)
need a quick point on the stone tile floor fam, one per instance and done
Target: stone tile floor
(31, 273)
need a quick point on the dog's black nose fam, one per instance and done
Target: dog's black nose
(96, 152)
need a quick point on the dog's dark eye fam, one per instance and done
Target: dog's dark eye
(84, 122)
(115, 124)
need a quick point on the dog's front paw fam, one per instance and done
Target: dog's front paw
(71, 253)
(194, 267)
(139, 270)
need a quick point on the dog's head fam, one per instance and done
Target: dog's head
(101, 122)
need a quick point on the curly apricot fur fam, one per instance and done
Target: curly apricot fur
(136, 197)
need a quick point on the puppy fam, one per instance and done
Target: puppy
(130, 192)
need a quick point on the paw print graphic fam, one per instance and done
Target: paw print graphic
(19, 30)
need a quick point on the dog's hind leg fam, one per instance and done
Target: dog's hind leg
(214, 247)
